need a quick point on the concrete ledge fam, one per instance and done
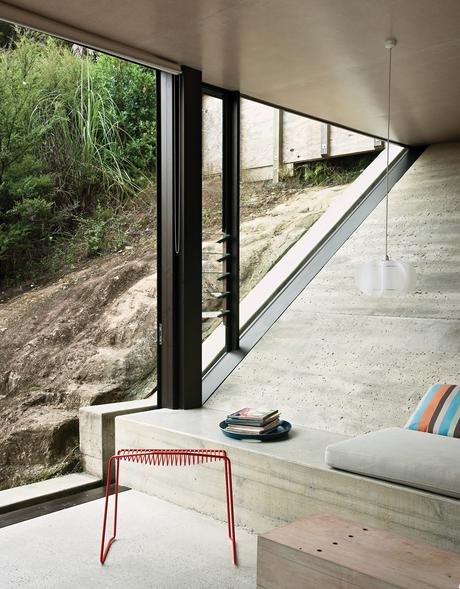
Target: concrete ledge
(278, 482)
(26, 495)
(97, 432)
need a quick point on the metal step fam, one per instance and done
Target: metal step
(225, 237)
(213, 314)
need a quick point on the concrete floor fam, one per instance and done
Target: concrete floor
(160, 546)
(343, 362)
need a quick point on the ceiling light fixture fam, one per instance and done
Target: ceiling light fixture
(386, 277)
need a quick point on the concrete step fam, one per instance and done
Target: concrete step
(26, 495)
(276, 482)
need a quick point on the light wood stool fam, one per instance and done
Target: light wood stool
(327, 552)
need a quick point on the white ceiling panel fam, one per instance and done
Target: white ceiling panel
(323, 58)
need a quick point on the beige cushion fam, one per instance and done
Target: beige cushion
(417, 459)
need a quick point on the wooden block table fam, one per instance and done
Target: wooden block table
(327, 552)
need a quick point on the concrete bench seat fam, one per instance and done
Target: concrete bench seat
(416, 459)
(278, 482)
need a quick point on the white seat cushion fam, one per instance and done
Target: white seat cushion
(417, 459)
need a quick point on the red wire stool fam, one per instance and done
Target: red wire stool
(167, 458)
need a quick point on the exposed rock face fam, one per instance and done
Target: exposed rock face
(266, 238)
(90, 338)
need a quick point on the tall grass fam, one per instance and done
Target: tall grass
(333, 172)
(84, 146)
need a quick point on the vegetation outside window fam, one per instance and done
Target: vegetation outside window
(77, 244)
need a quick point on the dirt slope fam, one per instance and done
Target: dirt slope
(87, 339)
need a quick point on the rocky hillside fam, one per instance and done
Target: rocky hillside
(90, 338)
(87, 339)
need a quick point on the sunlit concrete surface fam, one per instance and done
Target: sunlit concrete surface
(159, 546)
(343, 362)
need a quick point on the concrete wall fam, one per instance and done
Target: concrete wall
(277, 483)
(300, 139)
(212, 135)
(343, 362)
(97, 432)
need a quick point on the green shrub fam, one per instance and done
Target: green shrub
(132, 90)
(94, 231)
(333, 172)
(27, 233)
(77, 136)
(27, 215)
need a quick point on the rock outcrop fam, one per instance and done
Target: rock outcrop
(87, 339)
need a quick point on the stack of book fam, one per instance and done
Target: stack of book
(253, 422)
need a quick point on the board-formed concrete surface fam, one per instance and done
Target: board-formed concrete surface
(159, 546)
(278, 482)
(300, 139)
(340, 361)
(97, 431)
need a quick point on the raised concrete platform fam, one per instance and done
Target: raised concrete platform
(97, 431)
(25, 495)
(159, 546)
(277, 482)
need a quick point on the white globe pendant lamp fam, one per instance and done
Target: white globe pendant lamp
(386, 277)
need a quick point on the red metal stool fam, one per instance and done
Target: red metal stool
(167, 458)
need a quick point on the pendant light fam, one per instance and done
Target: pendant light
(386, 277)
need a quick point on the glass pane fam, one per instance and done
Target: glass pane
(292, 170)
(213, 290)
(77, 245)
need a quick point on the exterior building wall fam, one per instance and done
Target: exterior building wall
(300, 139)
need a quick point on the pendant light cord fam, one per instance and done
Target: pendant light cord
(388, 156)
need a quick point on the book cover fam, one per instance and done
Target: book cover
(254, 422)
(247, 413)
(253, 431)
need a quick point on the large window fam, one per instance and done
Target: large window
(77, 244)
(292, 170)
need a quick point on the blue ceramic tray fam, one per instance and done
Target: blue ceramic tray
(277, 434)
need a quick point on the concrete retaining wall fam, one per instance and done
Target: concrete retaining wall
(300, 139)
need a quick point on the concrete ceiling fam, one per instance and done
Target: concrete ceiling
(323, 58)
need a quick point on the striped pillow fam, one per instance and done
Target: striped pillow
(438, 412)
